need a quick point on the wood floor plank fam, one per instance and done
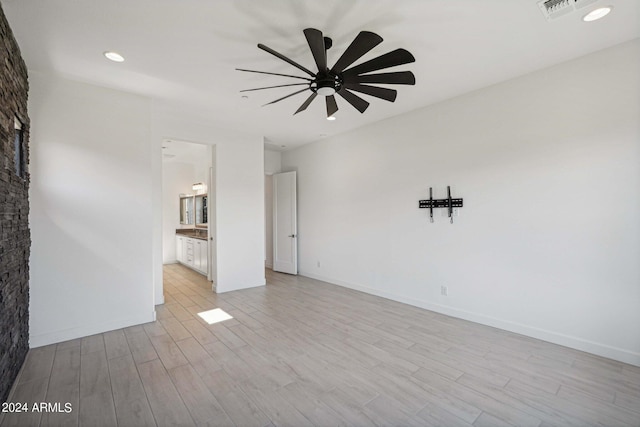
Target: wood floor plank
(154, 329)
(479, 400)
(487, 420)
(178, 311)
(199, 332)
(316, 375)
(604, 409)
(563, 372)
(131, 330)
(349, 409)
(115, 343)
(435, 416)
(391, 411)
(419, 360)
(92, 344)
(628, 401)
(64, 387)
(268, 370)
(68, 398)
(279, 411)
(202, 405)
(30, 392)
(535, 398)
(165, 401)
(67, 344)
(238, 406)
(548, 414)
(175, 329)
(198, 357)
(230, 339)
(168, 351)
(96, 398)
(163, 313)
(130, 399)
(38, 363)
(141, 347)
(310, 405)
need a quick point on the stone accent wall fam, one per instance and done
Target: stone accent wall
(15, 238)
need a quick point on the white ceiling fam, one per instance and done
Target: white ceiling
(183, 52)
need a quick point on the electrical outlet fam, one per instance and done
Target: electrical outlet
(444, 291)
(456, 211)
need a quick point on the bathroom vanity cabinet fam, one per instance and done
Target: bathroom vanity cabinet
(192, 252)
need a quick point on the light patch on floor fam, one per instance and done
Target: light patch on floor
(214, 316)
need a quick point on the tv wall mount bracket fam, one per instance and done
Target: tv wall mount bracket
(432, 203)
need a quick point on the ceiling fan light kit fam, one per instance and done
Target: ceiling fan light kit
(339, 79)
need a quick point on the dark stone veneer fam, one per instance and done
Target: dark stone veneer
(15, 238)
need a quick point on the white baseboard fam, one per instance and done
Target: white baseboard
(599, 349)
(263, 282)
(39, 340)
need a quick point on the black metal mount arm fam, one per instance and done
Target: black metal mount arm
(432, 203)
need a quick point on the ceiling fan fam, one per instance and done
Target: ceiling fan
(342, 80)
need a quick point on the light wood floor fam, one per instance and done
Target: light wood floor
(300, 352)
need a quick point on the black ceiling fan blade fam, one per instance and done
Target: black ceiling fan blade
(273, 74)
(285, 97)
(391, 59)
(353, 99)
(363, 43)
(306, 103)
(332, 106)
(399, 78)
(285, 59)
(272, 87)
(316, 44)
(378, 92)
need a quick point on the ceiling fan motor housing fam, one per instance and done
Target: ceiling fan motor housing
(326, 84)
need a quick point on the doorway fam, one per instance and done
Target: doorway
(285, 223)
(189, 206)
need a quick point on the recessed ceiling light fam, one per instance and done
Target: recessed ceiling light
(114, 56)
(245, 97)
(331, 118)
(598, 13)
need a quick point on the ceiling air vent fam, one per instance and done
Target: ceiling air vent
(553, 9)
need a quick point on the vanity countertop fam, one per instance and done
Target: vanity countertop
(196, 233)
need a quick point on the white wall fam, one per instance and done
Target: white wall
(91, 204)
(548, 241)
(177, 178)
(272, 162)
(239, 196)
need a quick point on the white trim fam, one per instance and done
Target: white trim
(530, 331)
(87, 330)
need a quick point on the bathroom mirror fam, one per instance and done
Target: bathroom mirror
(201, 209)
(186, 210)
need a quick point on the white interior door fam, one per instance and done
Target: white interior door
(285, 228)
